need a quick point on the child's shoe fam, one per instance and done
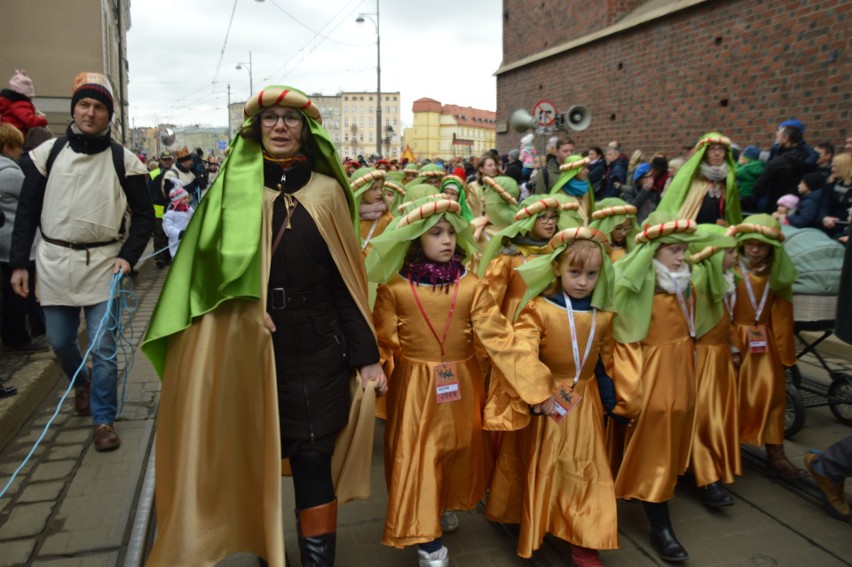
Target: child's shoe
(440, 558)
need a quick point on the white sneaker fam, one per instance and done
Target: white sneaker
(449, 522)
(440, 558)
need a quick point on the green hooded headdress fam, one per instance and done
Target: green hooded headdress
(677, 191)
(460, 186)
(428, 170)
(571, 216)
(528, 212)
(612, 212)
(765, 228)
(414, 193)
(501, 199)
(708, 277)
(539, 273)
(224, 234)
(363, 179)
(389, 248)
(398, 195)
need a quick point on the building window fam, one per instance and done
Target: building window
(345, 110)
(394, 121)
(370, 98)
(346, 123)
(371, 123)
(346, 98)
(371, 110)
(362, 98)
(346, 137)
(371, 136)
(362, 137)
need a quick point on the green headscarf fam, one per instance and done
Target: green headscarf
(570, 168)
(399, 195)
(635, 276)
(498, 200)
(708, 277)
(539, 273)
(362, 180)
(389, 248)
(224, 233)
(678, 188)
(428, 170)
(765, 228)
(613, 212)
(460, 184)
(414, 193)
(521, 226)
(570, 217)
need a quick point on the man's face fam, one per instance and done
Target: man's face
(611, 155)
(91, 116)
(564, 151)
(824, 157)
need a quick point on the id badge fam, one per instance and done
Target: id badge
(447, 383)
(757, 339)
(566, 401)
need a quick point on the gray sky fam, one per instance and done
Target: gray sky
(443, 49)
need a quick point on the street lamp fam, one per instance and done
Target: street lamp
(251, 81)
(360, 19)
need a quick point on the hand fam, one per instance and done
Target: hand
(721, 222)
(121, 265)
(843, 239)
(21, 282)
(737, 359)
(374, 373)
(267, 320)
(829, 222)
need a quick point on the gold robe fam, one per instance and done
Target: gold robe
(554, 477)
(762, 384)
(716, 444)
(506, 286)
(435, 454)
(218, 475)
(474, 196)
(616, 253)
(365, 226)
(655, 384)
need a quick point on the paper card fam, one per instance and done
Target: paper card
(447, 383)
(757, 341)
(566, 400)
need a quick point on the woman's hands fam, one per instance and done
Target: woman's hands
(267, 321)
(374, 373)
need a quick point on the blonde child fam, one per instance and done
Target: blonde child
(427, 315)
(367, 186)
(763, 331)
(617, 220)
(552, 474)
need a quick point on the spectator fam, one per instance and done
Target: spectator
(810, 153)
(810, 195)
(597, 170)
(786, 206)
(660, 166)
(616, 171)
(564, 147)
(825, 151)
(783, 172)
(674, 166)
(644, 197)
(836, 204)
(16, 105)
(749, 168)
(829, 469)
(513, 167)
(528, 156)
(176, 219)
(84, 228)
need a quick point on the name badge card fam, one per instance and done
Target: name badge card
(757, 339)
(447, 383)
(566, 400)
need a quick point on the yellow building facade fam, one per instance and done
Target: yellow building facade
(446, 131)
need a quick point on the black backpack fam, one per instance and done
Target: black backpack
(117, 158)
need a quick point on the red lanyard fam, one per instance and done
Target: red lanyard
(449, 315)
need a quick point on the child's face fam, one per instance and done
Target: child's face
(620, 231)
(184, 200)
(578, 282)
(451, 192)
(373, 194)
(545, 225)
(671, 256)
(803, 188)
(729, 259)
(756, 251)
(584, 174)
(439, 242)
(782, 209)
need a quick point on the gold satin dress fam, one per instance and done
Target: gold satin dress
(716, 443)
(436, 456)
(554, 477)
(762, 384)
(616, 253)
(506, 286)
(365, 226)
(655, 384)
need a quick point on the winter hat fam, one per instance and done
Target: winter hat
(789, 201)
(813, 180)
(22, 84)
(177, 193)
(92, 85)
(794, 123)
(182, 154)
(752, 153)
(514, 154)
(641, 171)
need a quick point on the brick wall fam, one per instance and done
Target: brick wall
(738, 66)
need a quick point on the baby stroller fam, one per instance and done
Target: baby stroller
(818, 261)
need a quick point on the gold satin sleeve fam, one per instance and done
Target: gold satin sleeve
(627, 377)
(498, 274)
(782, 329)
(386, 322)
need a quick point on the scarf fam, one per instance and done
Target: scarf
(85, 144)
(288, 179)
(179, 207)
(437, 274)
(286, 162)
(576, 187)
(714, 172)
(666, 279)
(374, 211)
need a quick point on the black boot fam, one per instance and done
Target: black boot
(317, 529)
(663, 539)
(713, 496)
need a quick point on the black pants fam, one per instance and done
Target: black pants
(312, 479)
(13, 328)
(161, 241)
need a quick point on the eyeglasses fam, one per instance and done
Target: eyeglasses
(291, 119)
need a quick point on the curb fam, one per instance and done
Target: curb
(34, 382)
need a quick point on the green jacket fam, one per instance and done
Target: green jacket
(747, 174)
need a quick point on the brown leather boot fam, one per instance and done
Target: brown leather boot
(317, 529)
(81, 399)
(777, 463)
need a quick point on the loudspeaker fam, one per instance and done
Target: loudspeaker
(578, 118)
(520, 121)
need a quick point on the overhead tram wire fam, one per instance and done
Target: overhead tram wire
(316, 33)
(224, 45)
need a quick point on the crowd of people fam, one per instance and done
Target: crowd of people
(548, 335)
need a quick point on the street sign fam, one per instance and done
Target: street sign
(544, 113)
(221, 145)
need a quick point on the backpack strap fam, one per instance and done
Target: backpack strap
(117, 158)
(58, 146)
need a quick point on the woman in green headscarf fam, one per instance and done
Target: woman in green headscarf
(617, 220)
(715, 457)
(574, 182)
(763, 332)
(571, 288)
(453, 187)
(263, 315)
(705, 188)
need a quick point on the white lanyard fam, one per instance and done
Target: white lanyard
(370, 234)
(579, 364)
(758, 309)
(688, 314)
(730, 301)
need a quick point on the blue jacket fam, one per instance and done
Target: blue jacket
(807, 212)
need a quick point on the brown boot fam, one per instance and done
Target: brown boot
(317, 529)
(81, 399)
(777, 463)
(832, 489)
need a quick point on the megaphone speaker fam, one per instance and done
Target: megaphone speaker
(578, 118)
(521, 121)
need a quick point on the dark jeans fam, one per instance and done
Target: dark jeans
(161, 241)
(836, 461)
(13, 328)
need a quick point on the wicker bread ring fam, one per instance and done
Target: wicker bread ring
(579, 164)
(577, 233)
(426, 210)
(699, 257)
(745, 228)
(709, 140)
(434, 173)
(505, 195)
(280, 96)
(539, 206)
(391, 185)
(653, 232)
(614, 211)
(368, 179)
(454, 178)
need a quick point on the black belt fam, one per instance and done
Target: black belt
(78, 245)
(280, 298)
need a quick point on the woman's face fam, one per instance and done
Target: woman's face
(756, 251)
(620, 231)
(671, 256)
(488, 167)
(451, 192)
(545, 225)
(578, 282)
(373, 194)
(439, 242)
(283, 137)
(715, 154)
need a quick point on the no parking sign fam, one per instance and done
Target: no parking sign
(544, 112)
